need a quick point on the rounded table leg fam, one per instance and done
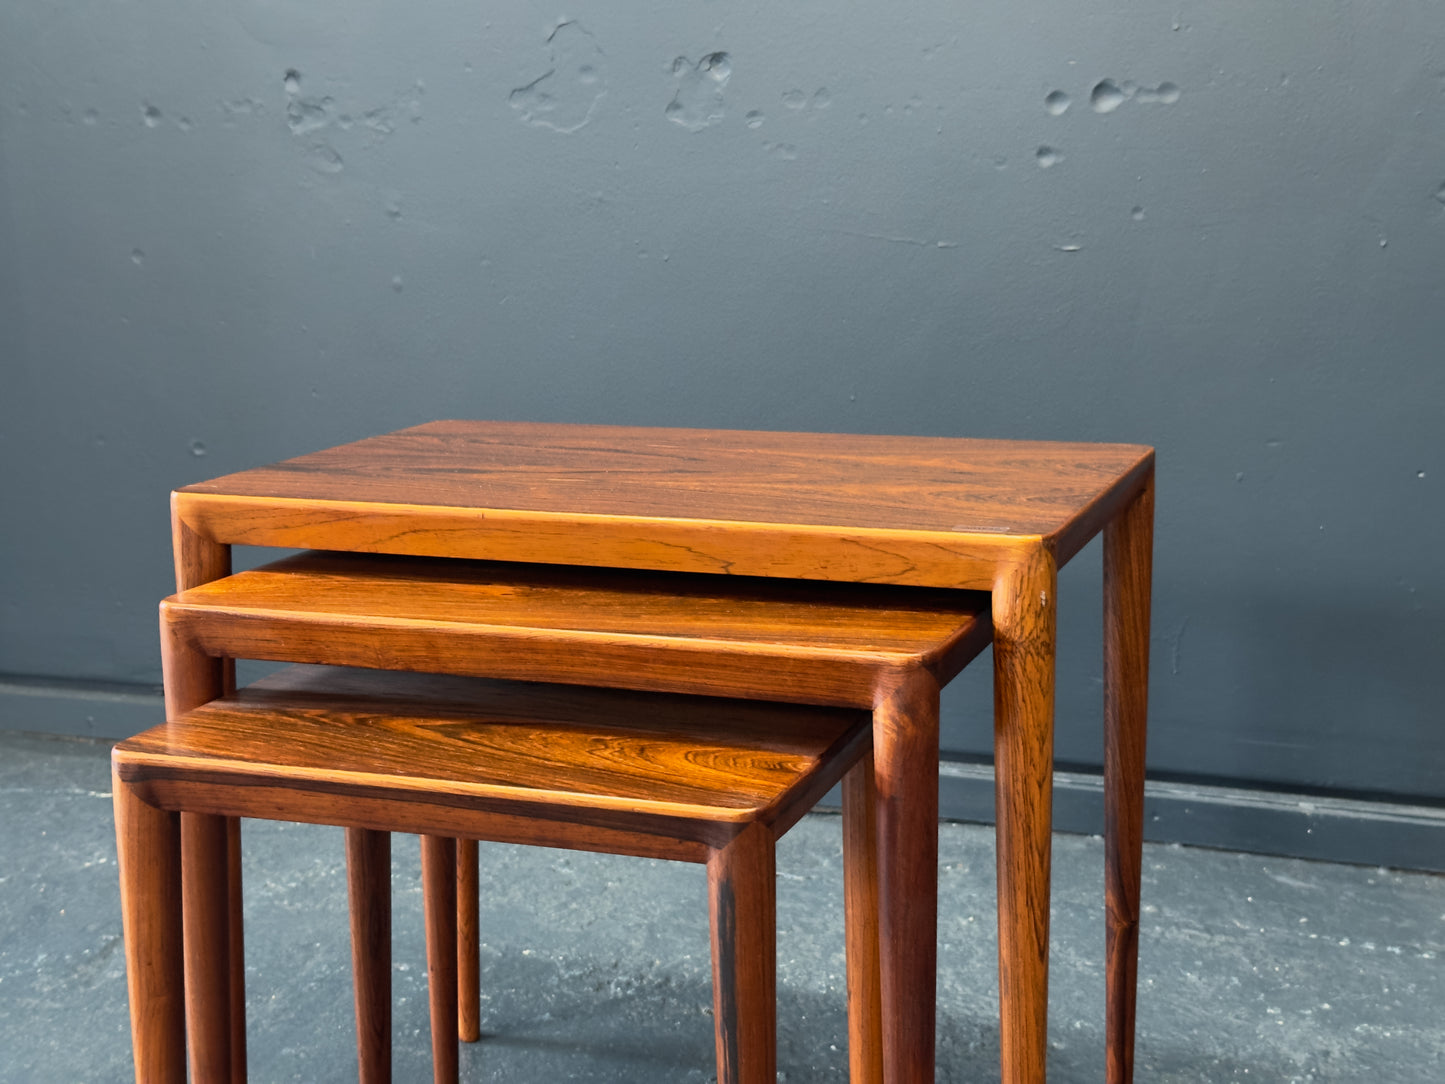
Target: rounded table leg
(860, 900)
(469, 962)
(905, 756)
(1128, 558)
(1024, 605)
(439, 901)
(368, 882)
(742, 895)
(148, 852)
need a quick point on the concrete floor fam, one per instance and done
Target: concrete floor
(596, 967)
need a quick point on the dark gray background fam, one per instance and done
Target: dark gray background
(206, 265)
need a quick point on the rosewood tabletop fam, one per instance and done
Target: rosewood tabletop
(998, 516)
(931, 511)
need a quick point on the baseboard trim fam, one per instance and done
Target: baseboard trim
(90, 709)
(1370, 833)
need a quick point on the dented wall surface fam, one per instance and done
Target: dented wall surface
(234, 232)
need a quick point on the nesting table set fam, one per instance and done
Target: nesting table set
(851, 576)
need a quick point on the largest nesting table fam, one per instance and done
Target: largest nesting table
(996, 516)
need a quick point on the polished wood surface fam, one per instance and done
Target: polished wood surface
(926, 511)
(635, 755)
(368, 885)
(1128, 562)
(732, 636)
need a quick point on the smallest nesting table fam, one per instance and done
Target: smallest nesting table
(687, 778)
(996, 516)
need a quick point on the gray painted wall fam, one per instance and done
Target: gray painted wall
(234, 232)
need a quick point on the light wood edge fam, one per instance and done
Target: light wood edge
(139, 768)
(177, 607)
(675, 668)
(955, 559)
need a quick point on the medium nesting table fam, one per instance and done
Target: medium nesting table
(996, 516)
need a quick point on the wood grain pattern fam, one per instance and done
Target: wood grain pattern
(905, 771)
(916, 624)
(635, 754)
(996, 516)
(439, 902)
(262, 742)
(1128, 561)
(732, 636)
(860, 895)
(148, 854)
(742, 888)
(469, 957)
(916, 510)
(368, 885)
(921, 483)
(1024, 606)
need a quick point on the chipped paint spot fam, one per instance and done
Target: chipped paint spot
(564, 97)
(698, 103)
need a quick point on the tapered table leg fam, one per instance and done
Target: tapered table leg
(469, 960)
(205, 905)
(237, 945)
(1128, 560)
(860, 898)
(742, 897)
(192, 679)
(148, 852)
(368, 883)
(905, 754)
(439, 903)
(1023, 655)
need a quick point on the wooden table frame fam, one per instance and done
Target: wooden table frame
(985, 515)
